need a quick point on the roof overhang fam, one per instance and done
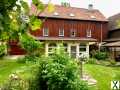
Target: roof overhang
(112, 44)
(80, 19)
(112, 40)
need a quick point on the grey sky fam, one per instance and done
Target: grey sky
(107, 7)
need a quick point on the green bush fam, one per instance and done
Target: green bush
(112, 62)
(58, 72)
(2, 50)
(100, 55)
(29, 44)
(28, 59)
(91, 61)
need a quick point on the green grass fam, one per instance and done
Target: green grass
(7, 67)
(103, 74)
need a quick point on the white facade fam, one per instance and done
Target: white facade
(74, 49)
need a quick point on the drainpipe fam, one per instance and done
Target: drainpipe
(101, 36)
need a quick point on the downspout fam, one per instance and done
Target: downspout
(101, 36)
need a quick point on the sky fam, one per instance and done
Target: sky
(107, 7)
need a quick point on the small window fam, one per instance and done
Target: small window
(51, 48)
(73, 33)
(88, 33)
(45, 31)
(61, 32)
(82, 47)
(56, 14)
(71, 15)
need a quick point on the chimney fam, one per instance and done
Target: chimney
(90, 7)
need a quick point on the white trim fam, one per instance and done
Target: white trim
(46, 49)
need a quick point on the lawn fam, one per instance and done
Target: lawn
(7, 67)
(103, 74)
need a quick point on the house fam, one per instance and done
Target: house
(76, 28)
(113, 40)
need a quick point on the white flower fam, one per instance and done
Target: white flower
(18, 2)
(15, 8)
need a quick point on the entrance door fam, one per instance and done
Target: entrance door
(73, 51)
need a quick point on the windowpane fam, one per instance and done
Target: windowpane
(73, 33)
(51, 47)
(82, 47)
(45, 32)
(61, 32)
(88, 33)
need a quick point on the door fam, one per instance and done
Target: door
(73, 51)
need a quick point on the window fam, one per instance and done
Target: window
(88, 33)
(64, 47)
(73, 33)
(45, 31)
(51, 47)
(82, 47)
(61, 32)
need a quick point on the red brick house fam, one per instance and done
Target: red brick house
(77, 28)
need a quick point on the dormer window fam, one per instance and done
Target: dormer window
(61, 32)
(45, 31)
(92, 17)
(73, 33)
(71, 15)
(56, 14)
(88, 32)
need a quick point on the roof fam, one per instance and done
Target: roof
(112, 44)
(63, 12)
(65, 39)
(113, 22)
(112, 39)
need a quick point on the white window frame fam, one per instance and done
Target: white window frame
(61, 30)
(72, 30)
(89, 33)
(45, 33)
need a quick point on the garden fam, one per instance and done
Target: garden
(56, 72)
(35, 71)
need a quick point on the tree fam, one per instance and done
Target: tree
(16, 20)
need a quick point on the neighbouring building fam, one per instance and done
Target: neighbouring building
(76, 28)
(113, 40)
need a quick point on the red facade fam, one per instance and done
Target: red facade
(98, 28)
(15, 49)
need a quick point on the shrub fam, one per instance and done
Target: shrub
(91, 61)
(2, 50)
(28, 59)
(100, 55)
(29, 44)
(58, 72)
(112, 62)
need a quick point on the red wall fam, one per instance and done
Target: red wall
(54, 24)
(80, 26)
(15, 49)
